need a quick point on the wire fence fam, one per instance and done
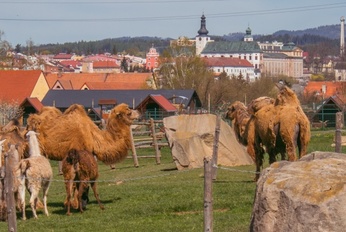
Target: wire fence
(115, 180)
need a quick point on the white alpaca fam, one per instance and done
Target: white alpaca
(35, 173)
(34, 146)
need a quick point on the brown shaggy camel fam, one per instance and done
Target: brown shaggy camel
(79, 169)
(60, 133)
(279, 127)
(13, 135)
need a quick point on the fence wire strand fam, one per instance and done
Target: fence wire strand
(115, 180)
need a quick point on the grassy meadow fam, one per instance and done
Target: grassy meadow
(155, 197)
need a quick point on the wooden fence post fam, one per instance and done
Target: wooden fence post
(216, 146)
(157, 150)
(133, 148)
(208, 196)
(338, 127)
(9, 196)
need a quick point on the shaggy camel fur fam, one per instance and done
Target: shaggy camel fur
(34, 173)
(280, 127)
(13, 135)
(80, 167)
(75, 130)
(294, 124)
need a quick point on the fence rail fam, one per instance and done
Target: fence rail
(151, 137)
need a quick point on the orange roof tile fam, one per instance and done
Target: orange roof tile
(331, 88)
(16, 85)
(33, 101)
(114, 80)
(105, 64)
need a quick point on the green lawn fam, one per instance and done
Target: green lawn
(157, 198)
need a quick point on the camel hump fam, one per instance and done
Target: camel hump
(258, 103)
(75, 108)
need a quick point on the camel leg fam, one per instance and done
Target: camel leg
(259, 160)
(94, 187)
(74, 192)
(291, 151)
(69, 189)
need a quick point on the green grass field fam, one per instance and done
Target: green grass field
(157, 198)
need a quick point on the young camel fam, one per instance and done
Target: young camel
(80, 167)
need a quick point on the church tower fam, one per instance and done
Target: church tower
(248, 36)
(202, 38)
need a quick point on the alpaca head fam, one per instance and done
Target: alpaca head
(31, 134)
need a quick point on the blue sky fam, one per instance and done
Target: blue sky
(54, 21)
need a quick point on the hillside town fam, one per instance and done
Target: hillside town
(41, 75)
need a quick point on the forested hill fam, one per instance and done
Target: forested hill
(140, 45)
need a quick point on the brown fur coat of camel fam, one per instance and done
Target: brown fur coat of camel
(279, 127)
(79, 170)
(60, 133)
(13, 135)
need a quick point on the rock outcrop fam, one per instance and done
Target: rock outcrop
(191, 139)
(307, 195)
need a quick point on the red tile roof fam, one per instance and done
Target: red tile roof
(227, 62)
(99, 80)
(16, 85)
(105, 64)
(33, 101)
(163, 102)
(331, 88)
(71, 63)
(61, 56)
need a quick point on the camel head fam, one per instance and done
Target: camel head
(123, 114)
(240, 117)
(234, 109)
(9, 126)
(33, 123)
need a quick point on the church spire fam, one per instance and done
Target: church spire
(203, 31)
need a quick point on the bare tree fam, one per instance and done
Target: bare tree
(9, 110)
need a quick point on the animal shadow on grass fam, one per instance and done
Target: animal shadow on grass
(62, 211)
(169, 169)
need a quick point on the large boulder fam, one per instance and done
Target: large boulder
(306, 195)
(191, 138)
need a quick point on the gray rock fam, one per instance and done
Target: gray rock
(191, 139)
(306, 195)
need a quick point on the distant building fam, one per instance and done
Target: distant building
(274, 58)
(232, 67)
(202, 38)
(152, 59)
(246, 49)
